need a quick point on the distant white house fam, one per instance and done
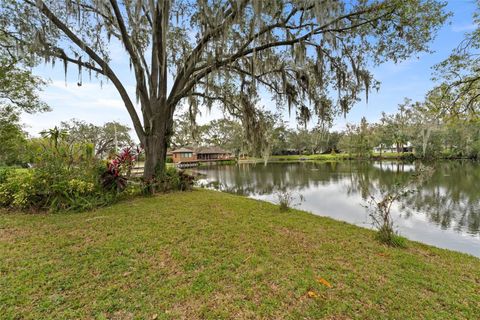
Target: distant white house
(406, 147)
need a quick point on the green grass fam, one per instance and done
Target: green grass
(209, 255)
(316, 157)
(332, 157)
(393, 155)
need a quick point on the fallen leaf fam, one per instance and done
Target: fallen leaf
(312, 294)
(155, 317)
(324, 282)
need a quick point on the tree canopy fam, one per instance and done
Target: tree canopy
(12, 137)
(106, 139)
(19, 90)
(460, 75)
(308, 54)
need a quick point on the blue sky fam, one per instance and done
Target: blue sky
(99, 104)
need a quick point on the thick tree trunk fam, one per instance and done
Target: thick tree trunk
(156, 143)
(155, 156)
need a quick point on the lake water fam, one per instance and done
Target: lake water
(444, 212)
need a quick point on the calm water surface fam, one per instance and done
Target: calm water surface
(445, 212)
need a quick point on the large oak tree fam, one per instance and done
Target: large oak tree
(312, 55)
(19, 91)
(460, 75)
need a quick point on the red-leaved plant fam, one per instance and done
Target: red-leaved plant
(119, 169)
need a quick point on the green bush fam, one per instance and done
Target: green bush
(16, 188)
(475, 152)
(390, 238)
(65, 178)
(3, 173)
(38, 189)
(174, 179)
(171, 180)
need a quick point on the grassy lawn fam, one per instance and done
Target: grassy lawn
(316, 157)
(331, 157)
(209, 255)
(338, 156)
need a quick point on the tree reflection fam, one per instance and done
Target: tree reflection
(449, 199)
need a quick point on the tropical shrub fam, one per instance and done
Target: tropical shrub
(3, 173)
(43, 188)
(119, 169)
(185, 181)
(68, 177)
(65, 177)
(16, 186)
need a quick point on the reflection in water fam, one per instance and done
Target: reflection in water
(444, 212)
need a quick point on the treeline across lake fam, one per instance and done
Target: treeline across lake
(416, 130)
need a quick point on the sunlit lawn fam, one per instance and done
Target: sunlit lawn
(336, 156)
(211, 255)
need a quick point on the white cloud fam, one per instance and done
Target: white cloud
(464, 27)
(89, 95)
(89, 102)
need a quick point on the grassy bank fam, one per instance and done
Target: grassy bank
(332, 157)
(409, 156)
(211, 255)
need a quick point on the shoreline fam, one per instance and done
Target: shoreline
(211, 255)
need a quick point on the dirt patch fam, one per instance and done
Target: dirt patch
(12, 234)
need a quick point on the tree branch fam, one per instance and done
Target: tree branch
(139, 73)
(40, 5)
(185, 72)
(243, 51)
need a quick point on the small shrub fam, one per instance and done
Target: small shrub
(409, 157)
(3, 173)
(391, 238)
(380, 212)
(286, 200)
(119, 170)
(185, 182)
(380, 207)
(16, 189)
(171, 180)
(66, 177)
(36, 189)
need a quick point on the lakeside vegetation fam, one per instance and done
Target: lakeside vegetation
(226, 256)
(335, 157)
(93, 223)
(415, 131)
(404, 156)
